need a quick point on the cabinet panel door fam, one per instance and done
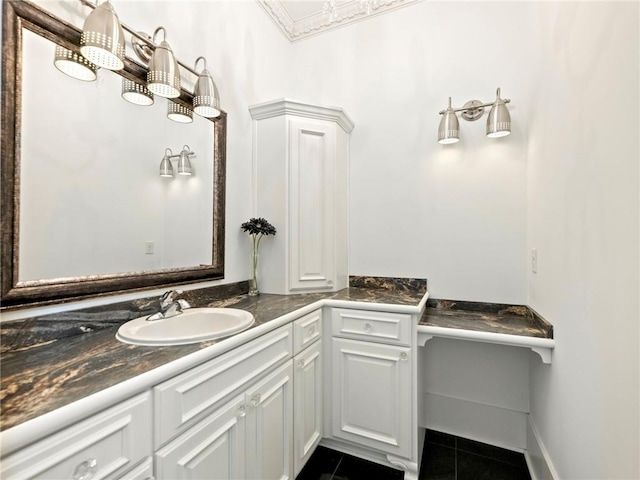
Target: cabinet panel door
(307, 404)
(212, 449)
(270, 426)
(311, 204)
(372, 395)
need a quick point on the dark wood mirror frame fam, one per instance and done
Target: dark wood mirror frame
(16, 16)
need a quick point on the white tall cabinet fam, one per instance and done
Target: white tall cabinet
(300, 171)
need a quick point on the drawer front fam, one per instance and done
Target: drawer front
(104, 445)
(189, 397)
(383, 327)
(307, 330)
(144, 471)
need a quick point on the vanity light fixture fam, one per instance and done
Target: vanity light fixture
(498, 122)
(184, 164)
(205, 96)
(102, 39)
(178, 112)
(163, 76)
(135, 93)
(74, 65)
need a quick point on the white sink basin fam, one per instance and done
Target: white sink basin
(191, 326)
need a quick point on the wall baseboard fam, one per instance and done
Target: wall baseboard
(536, 455)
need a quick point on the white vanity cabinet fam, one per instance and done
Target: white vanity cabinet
(301, 154)
(107, 445)
(308, 391)
(371, 401)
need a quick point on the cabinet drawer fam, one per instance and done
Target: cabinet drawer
(383, 327)
(189, 397)
(307, 330)
(106, 444)
(144, 471)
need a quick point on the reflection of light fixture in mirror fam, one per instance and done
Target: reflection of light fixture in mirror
(166, 170)
(102, 39)
(74, 65)
(179, 113)
(205, 96)
(184, 164)
(163, 76)
(449, 129)
(498, 122)
(135, 93)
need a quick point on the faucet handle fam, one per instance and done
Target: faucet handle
(167, 297)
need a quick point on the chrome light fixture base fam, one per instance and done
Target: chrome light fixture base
(473, 110)
(142, 50)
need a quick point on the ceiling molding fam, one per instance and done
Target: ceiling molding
(316, 21)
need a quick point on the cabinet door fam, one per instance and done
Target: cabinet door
(311, 204)
(372, 395)
(307, 404)
(270, 426)
(212, 449)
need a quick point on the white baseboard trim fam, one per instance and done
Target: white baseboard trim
(537, 456)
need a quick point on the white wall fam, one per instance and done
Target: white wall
(583, 217)
(455, 214)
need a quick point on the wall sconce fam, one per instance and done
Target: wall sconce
(205, 95)
(184, 164)
(498, 121)
(163, 76)
(102, 39)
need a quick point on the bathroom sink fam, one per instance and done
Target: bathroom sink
(191, 326)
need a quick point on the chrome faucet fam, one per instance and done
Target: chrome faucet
(169, 306)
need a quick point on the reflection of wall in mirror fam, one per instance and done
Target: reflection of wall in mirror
(90, 193)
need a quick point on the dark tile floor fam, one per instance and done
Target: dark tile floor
(444, 457)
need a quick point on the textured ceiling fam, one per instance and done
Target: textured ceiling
(298, 19)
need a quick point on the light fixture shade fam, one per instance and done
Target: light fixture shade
(163, 76)
(206, 101)
(449, 129)
(135, 93)
(179, 113)
(102, 39)
(184, 164)
(166, 170)
(75, 65)
(499, 120)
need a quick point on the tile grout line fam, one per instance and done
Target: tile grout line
(337, 466)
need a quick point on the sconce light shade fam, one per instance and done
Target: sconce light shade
(184, 165)
(166, 170)
(449, 129)
(206, 101)
(102, 39)
(74, 65)
(499, 120)
(163, 76)
(135, 93)
(179, 113)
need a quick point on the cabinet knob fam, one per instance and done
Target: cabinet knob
(301, 363)
(404, 356)
(255, 400)
(368, 327)
(85, 470)
(242, 411)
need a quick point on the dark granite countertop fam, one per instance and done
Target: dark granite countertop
(486, 317)
(49, 362)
